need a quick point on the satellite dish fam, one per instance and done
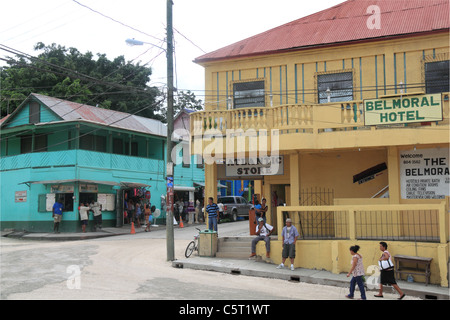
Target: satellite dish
(156, 214)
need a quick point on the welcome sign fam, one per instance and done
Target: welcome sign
(406, 109)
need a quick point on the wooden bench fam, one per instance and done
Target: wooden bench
(418, 261)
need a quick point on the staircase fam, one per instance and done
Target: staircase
(234, 247)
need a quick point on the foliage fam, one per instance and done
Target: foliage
(68, 74)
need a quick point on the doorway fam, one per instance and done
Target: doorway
(278, 194)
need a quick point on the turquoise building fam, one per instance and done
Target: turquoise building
(56, 149)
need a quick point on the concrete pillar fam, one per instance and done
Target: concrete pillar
(294, 178)
(394, 175)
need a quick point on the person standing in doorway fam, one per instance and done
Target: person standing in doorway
(357, 270)
(57, 215)
(387, 276)
(95, 207)
(84, 217)
(290, 236)
(261, 212)
(213, 214)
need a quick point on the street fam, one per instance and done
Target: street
(133, 267)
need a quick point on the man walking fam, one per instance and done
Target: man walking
(263, 232)
(290, 235)
(213, 212)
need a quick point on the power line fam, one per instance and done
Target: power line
(119, 22)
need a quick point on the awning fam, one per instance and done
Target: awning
(127, 184)
(202, 184)
(108, 183)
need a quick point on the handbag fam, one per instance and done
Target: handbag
(386, 264)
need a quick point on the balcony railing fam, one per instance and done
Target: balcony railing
(393, 222)
(81, 158)
(309, 119)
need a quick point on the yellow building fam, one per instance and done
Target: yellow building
(351, 107)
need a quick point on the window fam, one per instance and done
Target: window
(226, 200)
(436, 76)
(134, 149)
(335, 86)
(117, 146)
(40, 143)
(249, 94)
(35, 112)
(25, 144)
(93, 143)
(186, 156)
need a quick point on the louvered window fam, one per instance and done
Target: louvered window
(249, 94)
(335, 87)
(436, 76)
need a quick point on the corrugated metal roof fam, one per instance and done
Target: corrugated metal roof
(71, 111)
(342, 23)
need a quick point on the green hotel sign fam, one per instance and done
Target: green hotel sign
(406, 109)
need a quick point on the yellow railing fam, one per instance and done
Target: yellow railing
(402, 222)
(313, 119)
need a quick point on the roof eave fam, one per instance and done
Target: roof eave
(205, 61)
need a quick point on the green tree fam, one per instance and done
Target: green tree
(187, 100)
(67, 73)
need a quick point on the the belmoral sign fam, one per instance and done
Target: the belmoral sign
(405, 109)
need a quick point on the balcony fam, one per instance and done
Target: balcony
(323, 126)
(81, 158)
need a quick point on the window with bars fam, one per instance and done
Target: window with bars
(34, 112)
(335, 87)
(437, 76)
(249, 94)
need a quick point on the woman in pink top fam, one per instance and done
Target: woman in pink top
(357, 271)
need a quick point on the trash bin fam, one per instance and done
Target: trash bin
(207, 244)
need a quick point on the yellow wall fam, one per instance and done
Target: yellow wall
(291, 77)
(335, 256)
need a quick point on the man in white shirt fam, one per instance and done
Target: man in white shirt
(84, 217)
(95, 207)
(263, 232)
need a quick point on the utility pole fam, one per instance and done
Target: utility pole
(170, 183)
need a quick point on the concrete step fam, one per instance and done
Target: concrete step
(234, 247)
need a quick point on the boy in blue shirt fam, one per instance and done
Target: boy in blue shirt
(57, 215)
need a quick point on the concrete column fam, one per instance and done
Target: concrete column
(294, 179)
(210, 185)
(394, 175)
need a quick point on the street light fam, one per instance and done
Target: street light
(134, 42)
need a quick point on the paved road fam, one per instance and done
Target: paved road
(132, 267)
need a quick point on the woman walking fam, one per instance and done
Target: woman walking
(387, 276)
(357, 271)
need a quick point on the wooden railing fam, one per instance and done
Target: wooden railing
(393, 222)
(312, 119)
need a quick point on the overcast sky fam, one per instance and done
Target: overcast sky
(203, 26)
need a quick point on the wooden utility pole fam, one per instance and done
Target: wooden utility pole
(169, 179)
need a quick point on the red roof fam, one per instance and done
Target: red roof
(343, 23)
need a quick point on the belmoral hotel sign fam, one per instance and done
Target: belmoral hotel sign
(405, 109)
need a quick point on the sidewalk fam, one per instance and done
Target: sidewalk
(73, 236)
(260, 268)
(246, 267)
